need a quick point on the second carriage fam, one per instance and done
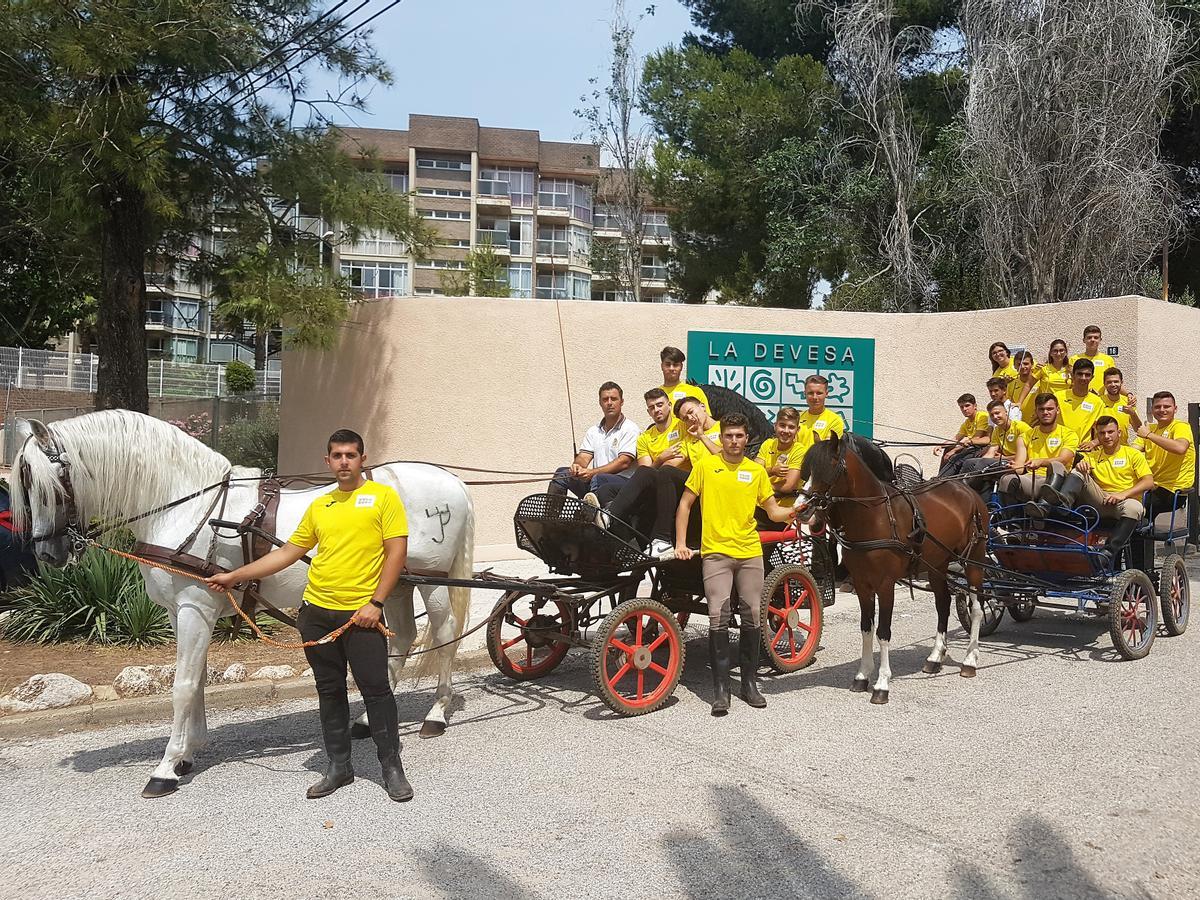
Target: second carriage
(629, 610)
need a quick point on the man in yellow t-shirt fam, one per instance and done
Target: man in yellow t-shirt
(1113, 479)
(1004, 453)
(659, 444)
(1051, 450)
(1115, 401)
(1170, 452)
(781, 456)
(361, 533)
(1101, 362)
(818, 421)
(1079, 406)
(730, 488)
(973, 432)
(671, 361)
(1023, 389)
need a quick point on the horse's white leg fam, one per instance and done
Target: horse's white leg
(885, 673)
(972, 658)
(887, 599)
(866, 665)
(443, 629)
(941, 598)
(398, 614)
(195, 615)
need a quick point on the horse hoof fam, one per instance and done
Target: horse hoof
(358, 731)
(859, 686)
(183, 767)
(967, 671)
(430, 729)
(879, 697)
(931, 668)
(159, 787)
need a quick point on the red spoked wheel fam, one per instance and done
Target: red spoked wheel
(792, 616)
(529, 635)
(637, 657)
(1175, 595)
(1132, 614)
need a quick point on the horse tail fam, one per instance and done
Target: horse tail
(463, 566)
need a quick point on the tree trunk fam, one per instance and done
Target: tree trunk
(121, 318)
(260, 347)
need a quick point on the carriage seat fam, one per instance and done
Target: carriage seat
(1171, 526)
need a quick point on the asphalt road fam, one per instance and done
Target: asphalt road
(1059, 772)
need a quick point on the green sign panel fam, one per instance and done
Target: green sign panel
(769, 369)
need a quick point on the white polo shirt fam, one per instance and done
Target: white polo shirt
(606, 446)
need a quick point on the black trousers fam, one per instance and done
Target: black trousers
(365, 651)
(652, 496)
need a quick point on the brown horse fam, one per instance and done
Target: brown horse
(891, 534)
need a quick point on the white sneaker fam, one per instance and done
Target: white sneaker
(662, 550)
(590, 499)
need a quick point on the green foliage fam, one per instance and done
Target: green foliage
(254, 441)
(239, 377)
(233, 628)
(99, 599)
(486, 275)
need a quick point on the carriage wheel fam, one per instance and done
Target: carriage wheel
(792, 616)
(1132, 614)
(1175, 595)
(637, 657)
(993, 612)
(520, 634)
(1022, 610)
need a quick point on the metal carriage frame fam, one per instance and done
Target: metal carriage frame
(635, 643)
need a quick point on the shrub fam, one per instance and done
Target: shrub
(252, 442)
(197, 425)
(232, 628)
(239, 377)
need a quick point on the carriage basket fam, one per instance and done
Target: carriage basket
(561, 531)
(811, 552)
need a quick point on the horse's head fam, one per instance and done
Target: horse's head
(43, 501)
(823, 471)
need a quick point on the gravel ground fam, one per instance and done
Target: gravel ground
(1059, 772)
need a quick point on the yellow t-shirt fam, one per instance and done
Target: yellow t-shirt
(820, 426)
(1047, 446)
(683, 389)
(1110, 408)
(694, 449)
(1118, 471)
(1053, 381)
(348, 529)
(1007, 442)
(1008, 370)
(728, 497)
(1028, 410)
(652, 442)
(972, 426)
(1101, 363)
(770, 455)
(1079, 413)
(1173, 471)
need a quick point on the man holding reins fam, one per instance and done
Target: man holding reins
(361, 533)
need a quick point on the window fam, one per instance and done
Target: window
(431, 292)
(377, 243)
(454, 165)
(453, 264)
(492, 231)
(581, 201)
(520, 280)
(607, 217)
(396, 179)
(520, 235)
(654, 268)
(654, 224)
(185, 348)
(463, 243)
(552, 241)
(581, 286)
(579, 241)
(372, 279)
(552, 286)
(614, 296)
(554, 193)
(443, 192)
(496, 181)
(459, 214)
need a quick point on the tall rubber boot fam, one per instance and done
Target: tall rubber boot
(750, 644)
(1119, 538)
(385, 731)
(718, 651)
(335, 726)
(1064, 491)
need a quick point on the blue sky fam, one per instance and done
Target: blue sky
(508, 63)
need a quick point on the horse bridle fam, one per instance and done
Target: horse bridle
(822, 500)
(58, 456)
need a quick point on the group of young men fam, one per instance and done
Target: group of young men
(685, 481)
(1067, 431)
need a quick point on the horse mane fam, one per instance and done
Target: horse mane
(820, 459)
(122, 463)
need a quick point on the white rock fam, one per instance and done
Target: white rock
(46, 692)
(274, 673)
(141, 681)
(307, 673)
(234, 674)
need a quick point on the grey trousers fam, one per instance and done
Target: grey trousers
(721, 573)
(1093, 495)
(1024, 487)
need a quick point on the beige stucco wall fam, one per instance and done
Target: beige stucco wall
(480, 382)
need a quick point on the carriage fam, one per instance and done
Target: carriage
(1057, 562)
(594, 599)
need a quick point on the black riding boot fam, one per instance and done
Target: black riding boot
(1120, 536)
(335, 726)
(718, 651)
(1059, 491)
(385, 731)
(750, 644)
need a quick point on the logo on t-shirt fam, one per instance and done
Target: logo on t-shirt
(673, 435)
(745, 477)
(1087, 405)
(364, 500)
(1053, 443)
(819, 425)
(1119, 462)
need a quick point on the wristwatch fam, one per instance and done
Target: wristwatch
(378, 603)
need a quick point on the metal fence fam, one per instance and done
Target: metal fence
(51, 370)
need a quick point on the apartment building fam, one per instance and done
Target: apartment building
(533, 201)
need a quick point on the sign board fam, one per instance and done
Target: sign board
(769, 369)
(1112, 351)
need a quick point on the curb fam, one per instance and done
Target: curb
(159, 707)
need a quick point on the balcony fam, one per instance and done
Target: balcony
(173, 320)
(654, 276)
(171, 283)
(544, 293)
(497, 238)
(493, 194)
(550, 213)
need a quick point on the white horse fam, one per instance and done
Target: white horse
(116, 464)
